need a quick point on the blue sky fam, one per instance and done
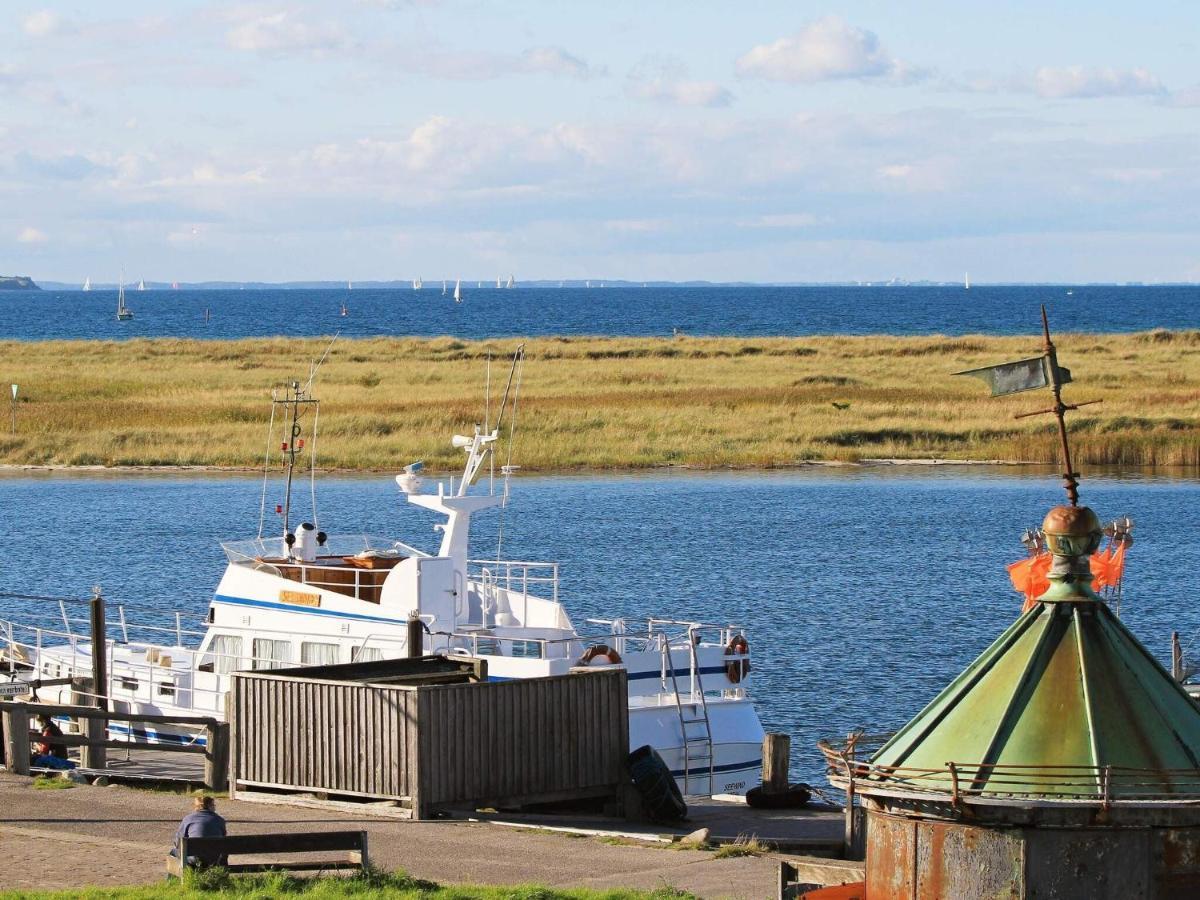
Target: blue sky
(763, 141)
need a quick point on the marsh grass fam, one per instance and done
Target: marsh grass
(601, 403)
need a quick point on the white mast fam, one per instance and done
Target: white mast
(966, 281)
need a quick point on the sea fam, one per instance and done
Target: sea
(863, 591)
(488, 312)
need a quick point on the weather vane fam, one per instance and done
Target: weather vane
(1031, 374)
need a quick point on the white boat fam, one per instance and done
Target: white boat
(443, 287)
(458, 290)
(966, 281)
(87, 283)
(124, 313)
(349, 285)
(498, 284)
(305, 597)
(417, 285)
(510, 282)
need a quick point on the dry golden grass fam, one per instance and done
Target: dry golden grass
(603, 402)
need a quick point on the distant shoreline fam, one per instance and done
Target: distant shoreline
(472, 284)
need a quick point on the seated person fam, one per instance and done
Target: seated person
(203, 821)
(49, 752)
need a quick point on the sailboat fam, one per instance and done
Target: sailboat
(498, 284)
(458, 290)
(966, 281)
(443, 287)
(124, 313)
(142, 285)
(417, 285)
(510, 282)
(87, 283)
(349, 285)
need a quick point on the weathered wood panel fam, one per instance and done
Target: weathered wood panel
(495, 742)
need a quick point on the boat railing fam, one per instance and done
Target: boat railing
(516, 576)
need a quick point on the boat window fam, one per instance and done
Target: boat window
(129, 684)
(226, 653)
(269, 654)
(166, 689)
(318, 654)
(366, 654)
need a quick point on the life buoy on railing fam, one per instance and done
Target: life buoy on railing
(601, 655)
(737, 669)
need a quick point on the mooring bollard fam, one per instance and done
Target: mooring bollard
(777, 749)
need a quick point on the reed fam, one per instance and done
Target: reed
(602, 403)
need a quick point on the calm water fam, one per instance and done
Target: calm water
(489, 312)
(863, 592)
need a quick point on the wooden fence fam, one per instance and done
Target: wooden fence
(93, 741)
(489, 744)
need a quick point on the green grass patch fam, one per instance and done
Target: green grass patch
(368, 886)
(52, 783)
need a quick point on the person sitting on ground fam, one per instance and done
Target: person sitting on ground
(50, 751)
(203, 821)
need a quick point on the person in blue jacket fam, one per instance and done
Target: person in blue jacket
(203, 821)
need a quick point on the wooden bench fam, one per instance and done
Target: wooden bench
(354, 843)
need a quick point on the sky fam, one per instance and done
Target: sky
(757, 141)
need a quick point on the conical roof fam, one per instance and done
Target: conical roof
(1065, 685)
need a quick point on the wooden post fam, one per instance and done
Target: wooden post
(16, 738)
(99, 648)
(848, 839)
(93, 756)
(216, 757)
(776, 749)
(1176, 657)
(416, 636)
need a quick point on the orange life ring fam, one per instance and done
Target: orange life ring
(611, 656)
(737, 669)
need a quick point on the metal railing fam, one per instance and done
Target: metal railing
(848, 765)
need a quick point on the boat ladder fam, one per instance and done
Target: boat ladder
(694, 724)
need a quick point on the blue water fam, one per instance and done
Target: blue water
(489, 312)
(863, 592)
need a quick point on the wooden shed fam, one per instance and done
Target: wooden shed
(428, 733)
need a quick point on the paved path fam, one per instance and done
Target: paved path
(118, 835)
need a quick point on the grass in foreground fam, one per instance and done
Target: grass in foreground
(394, 886)
(596, 403)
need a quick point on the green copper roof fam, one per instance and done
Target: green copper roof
(1067, 684)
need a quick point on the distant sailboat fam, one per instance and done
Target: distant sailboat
(510, 282)
(443, 287)
(417, 285)
(87, 283)
(966, 281)
(587, 284)
(207, 315)
(479, 284)
(344, 309)
(498, 284)
(142, 285)
(174, 285)
(349, 285)
(458, 290)
(124, 313)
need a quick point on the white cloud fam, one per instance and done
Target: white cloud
(281, 33)
(31, 235)
(43, 23)
(824, 50)
(1086, 82)
(557, 61)
(780, 220)
(664, 79)
(707, 94)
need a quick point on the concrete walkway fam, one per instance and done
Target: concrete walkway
(108, 836)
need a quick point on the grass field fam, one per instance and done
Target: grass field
(372, 886)
(603, 403)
